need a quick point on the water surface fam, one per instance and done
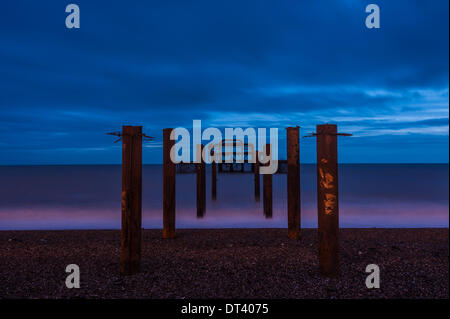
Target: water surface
(80, 197)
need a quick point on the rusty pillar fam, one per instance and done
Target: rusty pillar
(327, 200)
(267, 189)
(201, 183)
(256, 177)
(293, 182)
(130, 245)
(168, 186)
(213, 179)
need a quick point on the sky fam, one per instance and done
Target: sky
(228, 63)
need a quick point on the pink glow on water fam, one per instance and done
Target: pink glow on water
(59, 198)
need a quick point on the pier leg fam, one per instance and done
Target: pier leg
(201, 184)
(130, 245)
(213, 180)
(293, 182)
(327, 200)
(256, 177)
(168, 186)
(267, 190)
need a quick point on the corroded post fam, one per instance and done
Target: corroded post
(168, 186)
(267, 188)
(327, 199)
(213, 177)
(130, 245)
(256, 177)
(293, 182)
(201, 183)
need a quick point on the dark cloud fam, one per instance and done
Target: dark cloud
(265, 63)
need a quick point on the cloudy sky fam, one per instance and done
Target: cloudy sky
(228, 63)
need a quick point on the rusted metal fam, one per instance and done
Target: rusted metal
(267, 188)
(121, 134)
(293, 182)
(130, 245)
(234, 154)
(213, 178)
(328, 199)
(256, 177)
(169, 173)
(332, 134)
(201, 183)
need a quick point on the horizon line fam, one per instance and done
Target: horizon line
(307, 163)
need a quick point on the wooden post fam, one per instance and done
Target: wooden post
(256, 177)
(201, 183)
(168, 186)
(267, 189)
(213, 179)
(327, 200)
(293, 182)
(130, 245)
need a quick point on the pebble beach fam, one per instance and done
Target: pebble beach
(224, 263)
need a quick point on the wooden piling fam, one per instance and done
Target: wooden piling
(267, 189)
(256, 177)
(130, 245)
(293, 182)
(201, 183)
(327, 200)
(168, 186)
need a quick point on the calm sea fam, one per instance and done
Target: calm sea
(80, 197)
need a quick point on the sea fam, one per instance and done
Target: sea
(89, 197)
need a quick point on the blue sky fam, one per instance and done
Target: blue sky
(228, 63)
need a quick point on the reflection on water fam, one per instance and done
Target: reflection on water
(74, 197)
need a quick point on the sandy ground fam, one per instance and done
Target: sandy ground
(224, 263)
